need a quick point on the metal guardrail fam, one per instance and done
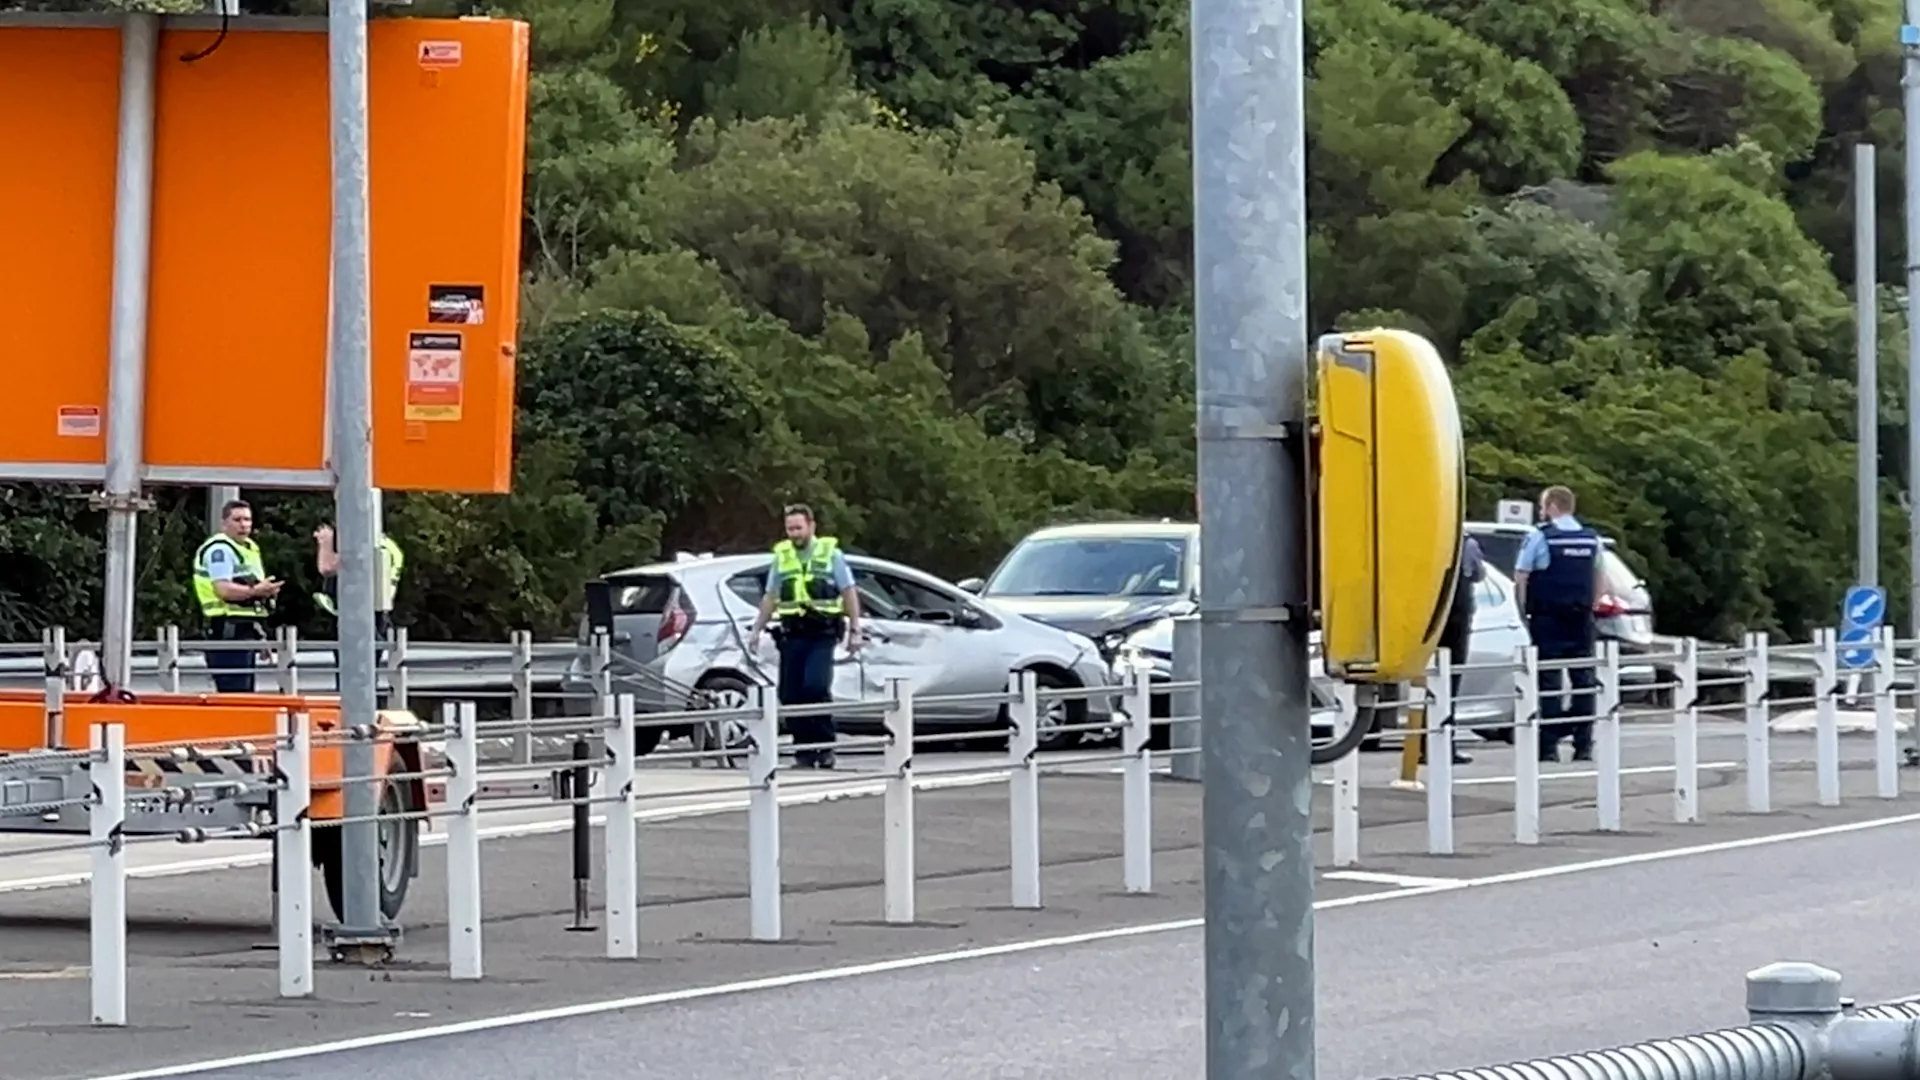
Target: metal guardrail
(96, 797)
(1799, 1028)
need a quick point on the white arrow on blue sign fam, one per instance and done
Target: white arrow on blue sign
(1856, 647)
(1865, 605)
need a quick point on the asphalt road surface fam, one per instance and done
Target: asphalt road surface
(1415, 982)
(1406, 973)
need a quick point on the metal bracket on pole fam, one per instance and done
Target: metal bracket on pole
(122, 502)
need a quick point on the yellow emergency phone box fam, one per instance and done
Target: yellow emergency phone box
(1390, 503)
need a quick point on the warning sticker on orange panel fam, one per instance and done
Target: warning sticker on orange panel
(434, 380)
(439, 54)
(80, 421)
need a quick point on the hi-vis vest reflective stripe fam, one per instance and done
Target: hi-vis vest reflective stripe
(251, 565)
(395, 559)
(807, 586)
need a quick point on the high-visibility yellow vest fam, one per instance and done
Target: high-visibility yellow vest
(806, 585)
(395, 559)
(251, 565)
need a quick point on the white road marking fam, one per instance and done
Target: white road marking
(925, 960)
(1589, 774)
(1398, 881)
(80, 972)
(1570, 774)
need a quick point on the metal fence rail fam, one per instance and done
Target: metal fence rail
(1800, 1028)
(87, 793)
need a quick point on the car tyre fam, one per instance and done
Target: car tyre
(1060, 713)
(399, 848)
(726, 739)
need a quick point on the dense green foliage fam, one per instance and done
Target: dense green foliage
(926, 264)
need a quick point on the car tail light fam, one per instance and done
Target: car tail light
(673, 627)
(1609, 606)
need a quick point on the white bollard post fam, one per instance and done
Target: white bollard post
(763, 819)
(287, 660)
(1759, 754)
(107, 818)
(398, 666)
(293, 846)
(622, 838)
(1440, 707)
(1023, 789)
(1886, 738)
(1136, 791)
(1346, 782)
(1526, 747)
(522, 712)
(900, 875)
(1686, 735)
(169, 660)
(1826, 718)
(1606, 737)
(463, 840)
(53, 646)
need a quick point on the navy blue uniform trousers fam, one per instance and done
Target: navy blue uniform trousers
(806, 678)
(1560, 638)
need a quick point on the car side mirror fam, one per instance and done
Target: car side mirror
(971, 585)
(967, 616)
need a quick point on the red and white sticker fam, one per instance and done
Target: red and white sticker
(439, 54)
(80, 421)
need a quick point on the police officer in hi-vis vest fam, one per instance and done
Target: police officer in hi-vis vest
(327, 561)
(1557, 577)
(811, 588)
(230, 581)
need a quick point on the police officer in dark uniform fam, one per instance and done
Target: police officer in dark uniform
(1457, 635)
(1557, 576)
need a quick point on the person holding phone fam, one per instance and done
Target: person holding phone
(235, 595)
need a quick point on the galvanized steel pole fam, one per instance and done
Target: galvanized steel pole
(1910, 104)
(218, 497)
(351, 386)
(1867, 364)
(1250, 312)
(127, 355)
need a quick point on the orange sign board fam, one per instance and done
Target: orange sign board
(237, 330)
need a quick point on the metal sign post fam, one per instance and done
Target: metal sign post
(362, 934)
(1250, 301)
(1910, 103)
(1867, 366)
(127, 354)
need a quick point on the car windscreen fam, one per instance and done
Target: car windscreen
(1502, 548)
(1093, 566)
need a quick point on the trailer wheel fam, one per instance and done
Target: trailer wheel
(399, 842)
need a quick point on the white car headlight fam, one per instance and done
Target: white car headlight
(1129, 657)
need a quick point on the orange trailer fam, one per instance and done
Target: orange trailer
(206, 762)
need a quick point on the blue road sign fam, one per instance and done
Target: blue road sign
(1865, 605)
(1856, 647)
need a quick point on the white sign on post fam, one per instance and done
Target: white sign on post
(1515, 512)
